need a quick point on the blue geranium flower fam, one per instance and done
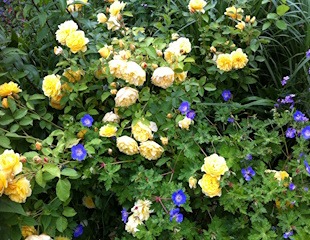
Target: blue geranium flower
(178, 197)
(305, 132)
(78, 231)
(300, 117)
(191, 114)
(290, 133)
(124, 215)
(175, 213)
(184, 107)
(292, 186)
(87, 120)
(248, 173)
(226, 94)
(78, 152)
(307, 167)
(288, 234)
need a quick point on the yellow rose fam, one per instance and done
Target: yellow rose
(3, 182)
(185, 123)
(127, 145)
(51, 85)
(116, 8)
(55, 102)
(73, 76)
(210, 185)
(113, 24)
(64, 31)
(134, 74)
(184, 45)
(279, 175)
(163, 77)
(18, 190)
(224, 62)
(28, 231)
(132, 224)
(7, 89)
(239, 59)
(171, 54)
(142, 210)
(122, 55)
(196, 6)
(180, 77)
(192, 182)
(10, 164)
(234, 13)
(151, 150)
(126, 96)
(88, 202)
(75, 7)
(117, 68)
(214, 165)
(104, 51)
(108, 131)
(101, 18)
(141, 132)
(77, 41)
(240, 25)
(111, 117)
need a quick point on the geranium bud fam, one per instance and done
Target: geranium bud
(38, 146)
(113, 91)
(110, 151)
(23, 159)
(144, 65)
(5, 103)
(169, 115)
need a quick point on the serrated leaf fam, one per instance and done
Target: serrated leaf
(61, 224)
(52, 169)
(39, 179)
(210, 87)
(9, 206)
(69, 172)
(5, 142)
(69, 212)
(63, 187)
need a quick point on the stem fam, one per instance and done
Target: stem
(158, 199)
(22, 136)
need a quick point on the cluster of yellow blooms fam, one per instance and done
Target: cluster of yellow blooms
(235, 60)
(237, 14)
(30, 233)
(10, 89)
(214, 166)
(140, 212)
(17, 188)
(69, 35)
(142, 132)
(113, 23)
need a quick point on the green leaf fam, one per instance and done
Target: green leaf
(266, 25)
(6, 120)
(151, 52)
(26, 121)
(42, 18)
(104, 96)
(282, 9)
(69, 172)
(5, 142)
(61, 224)
(63, 5)
(281, 24)
(12, 104)
(39, 179)
(69, 212)
(63, 187)
(210, 87)
(52, 169)
(9, 206)
(20, 113)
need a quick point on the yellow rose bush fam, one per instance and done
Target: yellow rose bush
(154, 120)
